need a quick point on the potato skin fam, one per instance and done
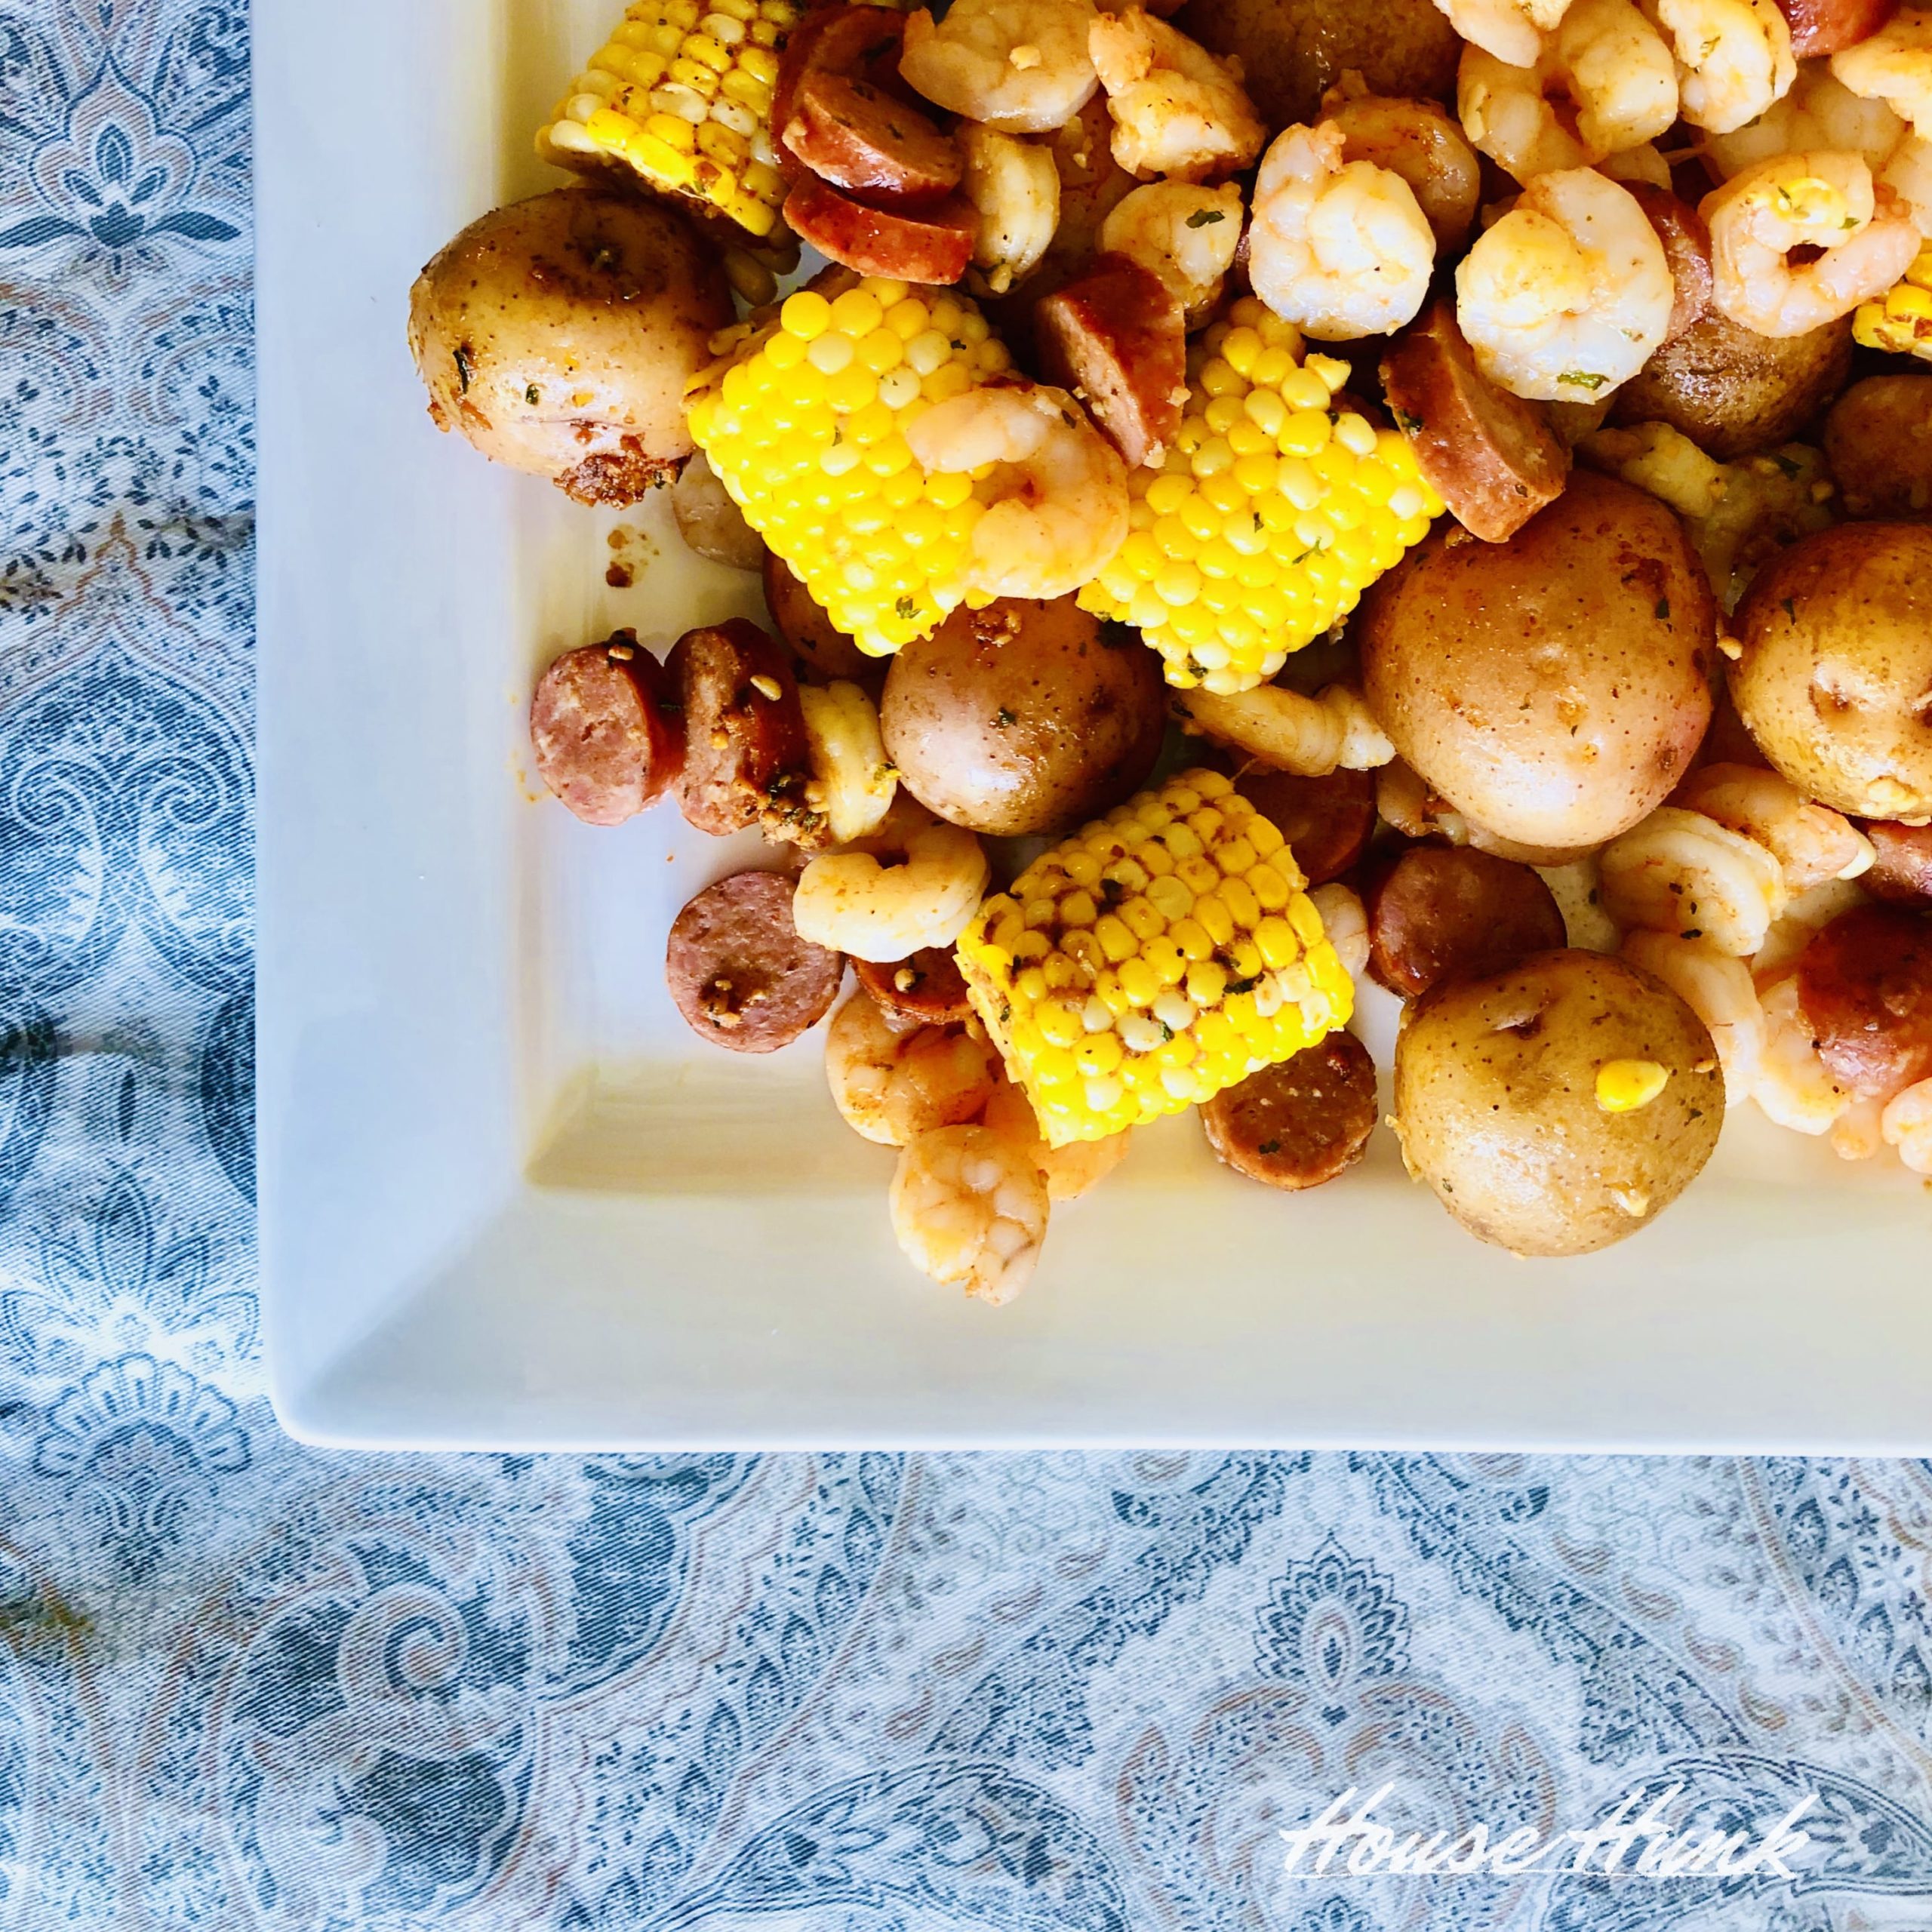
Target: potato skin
(1496, 1107)
(1732, 392)
(1023, 717)
(1836, 673)
(1878, 439)
(1293, 51)
(1554, 687)
(557, 334)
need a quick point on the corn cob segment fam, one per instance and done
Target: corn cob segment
(1901, 319)
(805, 422)
(681, 93)
(1159, 954)
(1273, 513)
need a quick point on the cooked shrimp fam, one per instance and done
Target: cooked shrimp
(1418, 141)
(1014, 188)
(1186, 233)
(1825, 201)
(1906, 1125)
(1340, 248)
(1577, 889)
(1718, 990)
(1345, 922)
(1058, 509)
(1566, 297)
(1819, 114)
(1794, 928)
(1858, 1133)
(853, 783)
(850, 903)
(1602, 82)
(1810, 842)
(1642, 163)
(1019, 66)
(1068, 1171)
(1734, 57)
(892, 1086)
(1679, 871)
(1310, 736)
(970, 1210)
(1793, 1086)
(1893, 65)
(1509, 30)
(1176, 109)
(709, 521)
(1908, 173)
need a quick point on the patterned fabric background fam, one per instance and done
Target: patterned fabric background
(243, 1684)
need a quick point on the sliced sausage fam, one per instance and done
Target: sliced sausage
(925, 990)
(850, 134)
(1301, 1122)
(930, 245)
(1829, 26)
(863, 43)
(1326, 821)
(818, 643)
(738, 970)
(1451, 912)
(1492, 457)
(1686, 248)
(746, 756)
(1865, 989)
(1117, 337)
(1902, 871)
(605, 727)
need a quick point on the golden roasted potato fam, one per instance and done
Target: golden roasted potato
(1878, 438)
(1835, 681)
(558, 333)
(1500, 1098)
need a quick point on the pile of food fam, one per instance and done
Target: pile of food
(1440, 492)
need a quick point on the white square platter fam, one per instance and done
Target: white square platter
(508, 1201)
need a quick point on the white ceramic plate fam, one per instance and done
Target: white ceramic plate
(509, 1201)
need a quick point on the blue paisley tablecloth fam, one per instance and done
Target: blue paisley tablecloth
(245, 1684)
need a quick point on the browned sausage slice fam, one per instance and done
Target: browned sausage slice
(1865, 989)
(1902, 871)
(1492, 457)
(862, 42)
(747, 756)
(738, 969)
(1117, 337)
(1686, 248)
(873, 146)
(820, 645)
(931, 245)
(925, 990)
(1451, 912)
(1326, 821)
(606, 729)
(1301, 1122)
(1829, 26)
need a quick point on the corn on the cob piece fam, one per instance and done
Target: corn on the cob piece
(1272, 515)
(1159, 954)
(1901, 319)
(681, 94)
(805, 422)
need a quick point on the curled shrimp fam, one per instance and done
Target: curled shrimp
(1893, 65)
(1186, 232)
(1819, 114)
(970, 1210)
(1734, 57)
(851, 902)
(1344, 924)
(1859, 1131)
(1068, 1171)
(1021, 66)
(1056, 493)
(1176, 109)
(1418, 141)
(1718, 990)
(1642, 163)
(1014, 188)
(1826, 201)
(1793, 1087)
(1508, 30)
(1341, 248)
(1680, 872)
(1906, 1125)
(892, 1086)
(1908, 175)
(1810, 842)
(1311, 736)
(1566, 297)
(853, 783)
(1798, 924)
(1602, 82)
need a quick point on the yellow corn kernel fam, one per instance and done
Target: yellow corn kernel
(1900, 321)
(1625, 1085)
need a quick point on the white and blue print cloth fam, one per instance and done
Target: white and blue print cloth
(245, 1685)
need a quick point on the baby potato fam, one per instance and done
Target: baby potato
(1504, 1107)
(1552, 687)
(1023, 717)
(1878, 438)
(1835, 681)
(1732, 391)
(558, 334)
